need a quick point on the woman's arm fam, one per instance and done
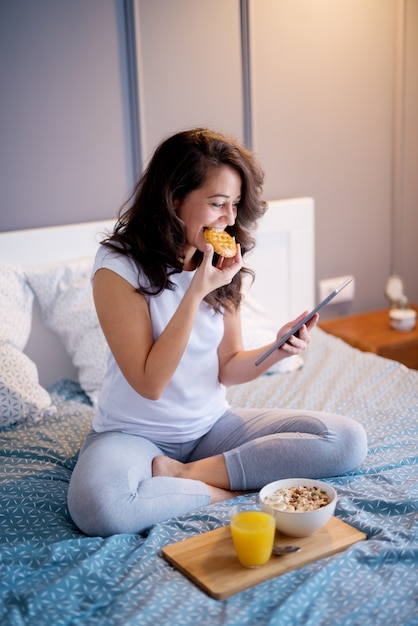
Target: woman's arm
(124, 317)
(237, 365)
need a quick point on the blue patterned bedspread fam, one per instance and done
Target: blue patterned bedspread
(51, 574)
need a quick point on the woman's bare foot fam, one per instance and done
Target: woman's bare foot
(165, 466)
(210, 470)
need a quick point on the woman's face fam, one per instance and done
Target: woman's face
(214, 205)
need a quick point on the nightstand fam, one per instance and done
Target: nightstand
(371, 332)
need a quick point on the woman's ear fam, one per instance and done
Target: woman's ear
(176, 204)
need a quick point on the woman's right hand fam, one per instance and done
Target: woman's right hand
(209, 277)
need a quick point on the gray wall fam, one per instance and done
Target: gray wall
(189, 67)
(334, 112)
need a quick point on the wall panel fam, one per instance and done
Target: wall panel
(64, 153)
(189, 67)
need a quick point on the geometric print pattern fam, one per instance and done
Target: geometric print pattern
(16, 300)
(52, 575)
(21, 396)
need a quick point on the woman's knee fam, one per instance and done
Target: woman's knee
(103, 492)
(355, 443)
(349, 444)
(103, 508)
(132, 507)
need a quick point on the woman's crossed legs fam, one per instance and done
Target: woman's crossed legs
(125, 483)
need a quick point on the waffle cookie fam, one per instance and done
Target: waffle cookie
(222, 243)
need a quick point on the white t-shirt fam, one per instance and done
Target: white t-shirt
(194, 399)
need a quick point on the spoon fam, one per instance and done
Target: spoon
(280, 550)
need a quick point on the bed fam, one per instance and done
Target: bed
(51, 366)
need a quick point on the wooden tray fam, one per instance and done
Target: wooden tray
(209, 560)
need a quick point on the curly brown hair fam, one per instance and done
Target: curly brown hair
(148, 228)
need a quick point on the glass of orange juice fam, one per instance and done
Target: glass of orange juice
(253, 533)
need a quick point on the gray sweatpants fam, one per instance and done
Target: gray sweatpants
(112, 489)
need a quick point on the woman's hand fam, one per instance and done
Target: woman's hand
(238, 365)
(209, 277)
(299, 342)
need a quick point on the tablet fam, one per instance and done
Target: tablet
(306, 319)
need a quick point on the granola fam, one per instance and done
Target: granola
(298, 498)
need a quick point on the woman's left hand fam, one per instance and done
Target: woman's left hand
(299, 342)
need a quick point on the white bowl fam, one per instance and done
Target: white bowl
(300, 523)
(402, 319)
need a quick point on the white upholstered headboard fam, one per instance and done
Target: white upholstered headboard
(283, 261)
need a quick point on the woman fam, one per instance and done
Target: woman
(164, 440)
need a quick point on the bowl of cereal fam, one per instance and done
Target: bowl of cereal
(301, 505)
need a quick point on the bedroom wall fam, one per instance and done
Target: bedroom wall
(334, 96)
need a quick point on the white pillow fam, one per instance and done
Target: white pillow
(258, 330)
(21, 396)
(66, 301)
(16, 301)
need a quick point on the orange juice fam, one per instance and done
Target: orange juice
(253, 536)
